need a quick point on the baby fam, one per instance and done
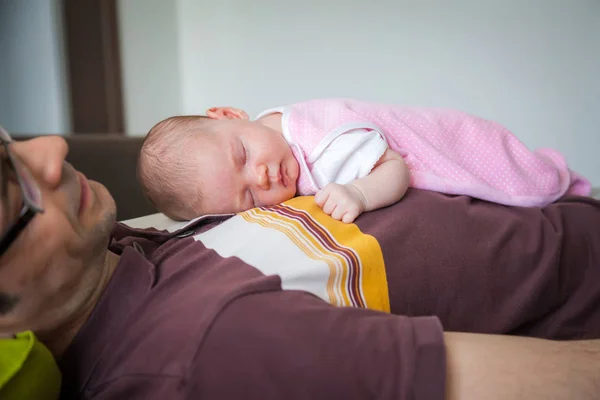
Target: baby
(353, 156)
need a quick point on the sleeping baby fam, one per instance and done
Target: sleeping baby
(352, 156)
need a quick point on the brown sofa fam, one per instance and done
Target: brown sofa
(111, 160)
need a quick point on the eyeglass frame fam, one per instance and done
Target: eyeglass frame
(29, 208)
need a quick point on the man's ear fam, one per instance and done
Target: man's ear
(226, 113)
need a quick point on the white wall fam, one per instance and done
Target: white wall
(33, 89)
(532, 65)
(150, 60)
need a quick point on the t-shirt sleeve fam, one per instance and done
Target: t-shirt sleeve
(290, 344)
(348, 157)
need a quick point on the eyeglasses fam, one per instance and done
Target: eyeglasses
(18, 205)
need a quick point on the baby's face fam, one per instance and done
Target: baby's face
(244, 165)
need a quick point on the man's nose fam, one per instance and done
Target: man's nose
(43, 156)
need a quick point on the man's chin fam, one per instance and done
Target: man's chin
(106, 207)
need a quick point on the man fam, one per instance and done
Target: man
(138, 325)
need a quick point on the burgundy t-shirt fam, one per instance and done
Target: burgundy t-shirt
(184, 322)
(487, 268)
(181, 322)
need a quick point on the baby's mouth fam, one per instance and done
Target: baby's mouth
(278, 177)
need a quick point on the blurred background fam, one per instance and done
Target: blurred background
(119, 66)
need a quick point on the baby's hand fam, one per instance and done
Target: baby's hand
(342, 202)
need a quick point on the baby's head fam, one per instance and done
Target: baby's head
(222, 163)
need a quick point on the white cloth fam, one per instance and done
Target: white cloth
(347, 157)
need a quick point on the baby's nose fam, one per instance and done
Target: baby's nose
(262, 178)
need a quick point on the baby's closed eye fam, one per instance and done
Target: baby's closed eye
(246, 155)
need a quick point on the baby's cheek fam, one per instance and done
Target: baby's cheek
(275, 197)
(292, 191)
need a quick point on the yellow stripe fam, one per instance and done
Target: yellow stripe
(373, 278)
(373, 281)
(310, 245)
(337, 264)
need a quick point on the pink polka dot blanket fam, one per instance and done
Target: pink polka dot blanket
(445, 150)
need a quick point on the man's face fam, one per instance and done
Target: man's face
(52, 269)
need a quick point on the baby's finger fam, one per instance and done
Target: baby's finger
(349, 217)
(329, 206)
(338, 213)
(321, 197)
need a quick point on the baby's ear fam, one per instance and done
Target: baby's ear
(226, 113)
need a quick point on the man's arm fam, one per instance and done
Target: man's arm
(485, 367)
(384, 185)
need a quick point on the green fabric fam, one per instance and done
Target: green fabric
(27, 369)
